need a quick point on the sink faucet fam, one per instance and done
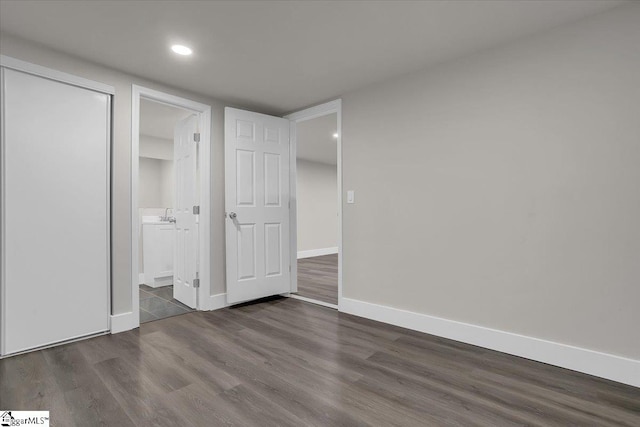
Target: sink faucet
(166, 216)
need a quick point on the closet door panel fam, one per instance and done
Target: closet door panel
(56, 211)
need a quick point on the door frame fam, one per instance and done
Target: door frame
(205, 161)
(73, 80)
(330, 107)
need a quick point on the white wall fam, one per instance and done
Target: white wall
(150, 192)
(167, 183)
(156, 183)
(156, 148)
(317, 203)
(503, 189)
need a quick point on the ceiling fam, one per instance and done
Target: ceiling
(315, 141)
(158, 120)
(279, 56)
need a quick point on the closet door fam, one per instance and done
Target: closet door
(55, 211)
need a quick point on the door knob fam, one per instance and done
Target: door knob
(232, 215)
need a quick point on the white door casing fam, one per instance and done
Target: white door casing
(186, 256)
(257, 205)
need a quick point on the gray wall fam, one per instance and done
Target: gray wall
(317, 205)
(121, 159)
(503, 189)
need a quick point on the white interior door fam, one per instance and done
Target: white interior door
(55, 211)
(257, 205)
(185, 162)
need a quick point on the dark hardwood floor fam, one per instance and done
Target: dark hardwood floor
(284, 362)
(318, 278)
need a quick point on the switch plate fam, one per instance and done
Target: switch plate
(351, 196)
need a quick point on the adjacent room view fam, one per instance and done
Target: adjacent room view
(157, 192)
(317, 208)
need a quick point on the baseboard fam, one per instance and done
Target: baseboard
(611, 367)
(122, 322)
(141, 279)
(159, 282)
(317, 252)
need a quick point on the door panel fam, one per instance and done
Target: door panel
(245, 176)
(186, 259)
(246, 251)
(272, 172)
(273, 247)
(55, 203)
(257, 192)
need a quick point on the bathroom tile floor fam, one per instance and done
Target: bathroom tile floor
(158, 303)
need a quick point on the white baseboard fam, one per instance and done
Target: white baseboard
(317, 252)
(122, 322)
(141, 279)
(611, 367)
(159, 282)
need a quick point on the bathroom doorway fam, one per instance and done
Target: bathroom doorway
(156, 208)
(170, 204)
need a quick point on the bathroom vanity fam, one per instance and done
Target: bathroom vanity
(157, 251)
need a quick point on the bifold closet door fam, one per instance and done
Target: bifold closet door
(55, 212)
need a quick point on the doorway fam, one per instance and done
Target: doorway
(261, 208)
(157, 181)
(316, 210)
(170, 205)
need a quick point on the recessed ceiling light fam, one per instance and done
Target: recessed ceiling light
(181, 50)
(335, 135)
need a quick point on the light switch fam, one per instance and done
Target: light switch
(351, 197)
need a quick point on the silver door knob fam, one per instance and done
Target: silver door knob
(232, 215)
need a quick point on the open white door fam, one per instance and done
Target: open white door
(257, 205)
(185, 260)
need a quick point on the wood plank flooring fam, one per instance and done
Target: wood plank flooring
(284, 362)
(318, 278)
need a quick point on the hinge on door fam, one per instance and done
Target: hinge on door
(196, 210)
(196, 137)
(196, 281)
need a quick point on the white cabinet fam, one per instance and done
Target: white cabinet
(157, 253)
